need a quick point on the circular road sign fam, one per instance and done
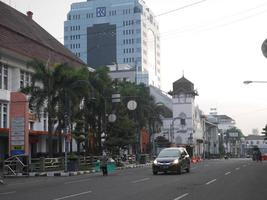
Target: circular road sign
(112, 118)
(131, 105)
(264, 48)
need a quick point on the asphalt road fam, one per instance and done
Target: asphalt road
(233, 179)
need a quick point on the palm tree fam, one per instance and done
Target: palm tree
(48, 92)
(97, 105)
(42, 94)
(72, 88)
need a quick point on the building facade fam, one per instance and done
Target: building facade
(21, 41)
(105, 32)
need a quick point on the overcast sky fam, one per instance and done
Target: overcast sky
(217, 43)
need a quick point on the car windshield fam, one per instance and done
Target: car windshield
(169, 153)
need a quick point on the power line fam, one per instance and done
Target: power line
(180, 8)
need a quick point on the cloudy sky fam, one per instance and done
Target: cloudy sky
(217, 44)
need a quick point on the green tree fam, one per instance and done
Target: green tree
(48, 91)
(42, 94)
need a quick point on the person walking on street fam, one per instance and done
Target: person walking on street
(104, 164)
(259, 156)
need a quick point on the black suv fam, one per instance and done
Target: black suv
(173, 159)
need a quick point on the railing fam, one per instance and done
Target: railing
(57, 164)
(88, 162)
(16, 165)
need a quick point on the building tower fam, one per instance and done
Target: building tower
(183, 112)
(106, 32)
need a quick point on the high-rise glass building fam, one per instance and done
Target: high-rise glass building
(106, 32)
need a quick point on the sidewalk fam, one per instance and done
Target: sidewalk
(62, 173)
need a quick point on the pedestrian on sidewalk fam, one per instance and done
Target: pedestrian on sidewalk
(104, 164)
(259, 156)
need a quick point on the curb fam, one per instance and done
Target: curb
(51, 174)
(77, 173)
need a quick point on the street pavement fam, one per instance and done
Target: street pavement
(232, 179)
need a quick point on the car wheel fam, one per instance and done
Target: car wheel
(179, 170)
(155, 172)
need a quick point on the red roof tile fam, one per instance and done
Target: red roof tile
(23, 35)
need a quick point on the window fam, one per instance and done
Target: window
(25, 79)
(3, 115)
(182, 121)
(3, 76)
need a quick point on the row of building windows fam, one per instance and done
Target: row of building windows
(74, 17)
(128, 60)
(75, 46)
(89, 15)
(3, 76)
(128, 23)
(256, 142)
(78, 54)
(126, 11)
(3, 115)
(75, 37)
(128, 41)
(111, 13)
(75, 28)
(128, 32)
(130, 50)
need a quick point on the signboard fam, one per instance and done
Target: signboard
(19, 124)
(233, 134)
(101, 11)
(17, 139)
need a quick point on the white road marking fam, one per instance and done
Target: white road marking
(141, 180)
(227, 173)
(182, 196)
(244, 165)
(26, 182)
(5, 193)
(238, 168)
(211, 181)
(78, 181)
(73, 195)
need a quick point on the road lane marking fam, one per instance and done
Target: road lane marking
(244, 165)
(141, 180)
(238, 168)
(211, 181)
(182, 196)
(77, 181)
(27, 182)
(227, 173)
(5, 193)
(73, 195)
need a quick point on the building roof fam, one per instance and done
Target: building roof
(223, 118)
(255, 137)
(21, 34)
(183, 85)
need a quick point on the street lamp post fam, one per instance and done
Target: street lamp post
(132, 105)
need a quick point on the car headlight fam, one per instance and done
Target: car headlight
(155, 162)
(176, 161)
